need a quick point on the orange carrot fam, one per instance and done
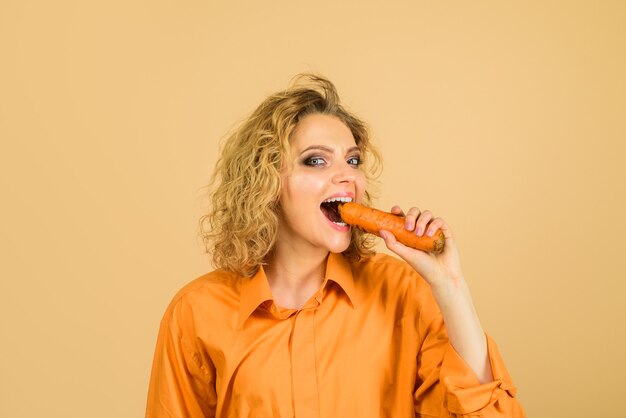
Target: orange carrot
(373, 220)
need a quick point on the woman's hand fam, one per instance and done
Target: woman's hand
(443, 272)
(439, 270)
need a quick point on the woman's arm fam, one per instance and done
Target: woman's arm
(182, 383)
(443, 274)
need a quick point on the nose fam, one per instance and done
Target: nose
(344, 174)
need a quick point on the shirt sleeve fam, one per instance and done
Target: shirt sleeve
(182, 382)
(447, 387)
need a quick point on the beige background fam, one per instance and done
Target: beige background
(508, 119)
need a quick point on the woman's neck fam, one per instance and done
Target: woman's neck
(295, 277)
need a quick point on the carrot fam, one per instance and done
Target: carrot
(373, 220)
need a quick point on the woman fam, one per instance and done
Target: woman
(302, 318)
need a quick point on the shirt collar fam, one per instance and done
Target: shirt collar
(256, 290)
(339, 271)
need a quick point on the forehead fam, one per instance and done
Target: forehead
(319, 129)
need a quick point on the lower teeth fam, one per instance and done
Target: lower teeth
(340, 223)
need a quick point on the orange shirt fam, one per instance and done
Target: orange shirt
(370, 343)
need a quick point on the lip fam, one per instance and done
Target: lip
(337, 227)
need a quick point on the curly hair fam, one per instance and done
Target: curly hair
(240, 229)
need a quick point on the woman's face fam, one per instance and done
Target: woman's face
(324, 164)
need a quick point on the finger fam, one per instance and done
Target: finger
(434, 225)
(396, 210)
(393, 244)
(447, 231)
(411, 218)
(410, 255)
(422, 221)
(439, 223)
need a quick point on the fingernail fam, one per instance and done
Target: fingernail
(383, 235)
(430, 233)
(408, 225)
(419, 231)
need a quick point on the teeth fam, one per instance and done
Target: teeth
(340, 223)
(339, 199)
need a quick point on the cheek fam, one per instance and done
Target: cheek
(361, 184)
(301, 188)
(307, 184)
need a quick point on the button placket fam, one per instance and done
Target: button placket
(303, 365)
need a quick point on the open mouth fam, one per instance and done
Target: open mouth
(330, 208)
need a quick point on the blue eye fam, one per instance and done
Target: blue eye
(314, 161)
(355, 161)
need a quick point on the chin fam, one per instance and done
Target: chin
(339, 247)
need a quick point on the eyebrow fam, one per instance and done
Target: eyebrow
(326, 149)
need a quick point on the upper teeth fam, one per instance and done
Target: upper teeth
(339, 199)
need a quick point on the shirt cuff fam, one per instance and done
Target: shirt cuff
(464, 392)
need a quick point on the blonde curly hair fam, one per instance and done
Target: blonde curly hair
(240, 229)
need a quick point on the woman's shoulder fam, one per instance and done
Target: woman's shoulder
(391, 282)
(204, 307)
(382, 263)
(387, 270)
(215, 288)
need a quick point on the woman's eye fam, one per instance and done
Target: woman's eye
(314, 161)
(320, 161)
(355, 161)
